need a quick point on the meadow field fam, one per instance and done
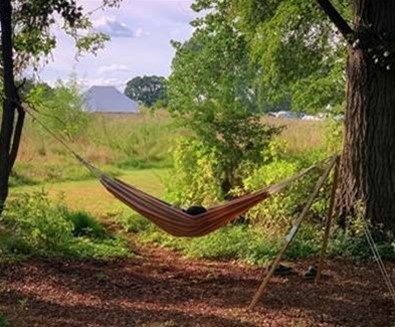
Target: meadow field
(132, 142)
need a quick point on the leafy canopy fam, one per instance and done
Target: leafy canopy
(147, 90)
(292, 44)
(34, 24)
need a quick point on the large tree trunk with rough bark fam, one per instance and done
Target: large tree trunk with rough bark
(12, 116)
(368, 158)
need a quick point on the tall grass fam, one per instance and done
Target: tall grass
(300, 135)
(139, 141)
(146, 137)
(110, 141)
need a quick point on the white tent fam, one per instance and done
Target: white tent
(107, 99)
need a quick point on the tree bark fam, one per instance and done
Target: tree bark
(9, 134)
(368, 158)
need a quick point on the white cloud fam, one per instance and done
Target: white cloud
(113, 69)
(112, 27)
(140, 45)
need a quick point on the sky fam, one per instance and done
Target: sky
(140, 31)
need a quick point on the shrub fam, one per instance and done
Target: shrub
(84, 224)
(348, 244)
(226, 243)
(193, 178)
(37, 227)
(278, 210)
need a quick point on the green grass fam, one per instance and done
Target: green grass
(125, 142)
(254, 245)
(26, 174)
(90, 195)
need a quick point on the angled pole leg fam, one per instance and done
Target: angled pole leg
(289, 238)
(328, 221)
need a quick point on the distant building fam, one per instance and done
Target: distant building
(107, 99)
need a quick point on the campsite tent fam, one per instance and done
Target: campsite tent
(107, 99)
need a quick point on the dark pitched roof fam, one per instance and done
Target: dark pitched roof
(108, 99)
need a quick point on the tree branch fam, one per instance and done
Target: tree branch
(337, 19)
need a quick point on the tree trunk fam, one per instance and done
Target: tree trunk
(9, 135)
(368, 159)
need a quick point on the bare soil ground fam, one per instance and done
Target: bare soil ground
(158, 288)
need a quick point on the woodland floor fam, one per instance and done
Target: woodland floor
(160, 289)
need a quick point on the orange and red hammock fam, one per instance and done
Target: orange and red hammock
(175, 221)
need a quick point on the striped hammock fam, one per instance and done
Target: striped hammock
(177, 222)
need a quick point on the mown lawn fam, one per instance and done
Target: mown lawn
(90, 196)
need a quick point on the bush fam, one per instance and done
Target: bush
(278, 210)
(84, 224)
(348, 244)
(193, 178)
(37, 227)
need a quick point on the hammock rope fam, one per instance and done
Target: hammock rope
(171, 219)
(379, 260)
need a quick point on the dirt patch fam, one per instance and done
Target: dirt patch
(158, 288)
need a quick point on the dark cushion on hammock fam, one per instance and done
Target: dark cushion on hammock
(195, 210)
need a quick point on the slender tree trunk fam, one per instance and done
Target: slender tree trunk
(368, 160)
(9, 134)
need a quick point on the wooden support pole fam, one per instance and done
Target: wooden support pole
(328, 221)
(291, 235)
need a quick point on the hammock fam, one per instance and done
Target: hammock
(171, 219)
(174, 220)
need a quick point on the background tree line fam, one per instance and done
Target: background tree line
(148, 90)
